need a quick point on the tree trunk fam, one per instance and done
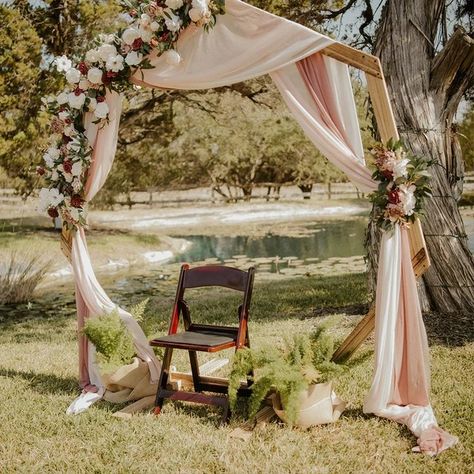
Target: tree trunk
(425, 88)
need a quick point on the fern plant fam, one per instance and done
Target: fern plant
(112, 340)
(304, 360)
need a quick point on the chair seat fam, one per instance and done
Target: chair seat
(196, 341)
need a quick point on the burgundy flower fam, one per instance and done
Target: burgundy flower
(111, 74)
(53, 212)
(66, 139)
(137, 44)
(387, 174)
(76, 201)
(393, 197)
(82, 66)
(67, 121)
(164, 36)
(40, 170)
(100, 98)
(67, 166)
(78, 91)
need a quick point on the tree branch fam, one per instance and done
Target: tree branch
(452, 72)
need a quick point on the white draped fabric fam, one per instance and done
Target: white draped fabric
(246, 43)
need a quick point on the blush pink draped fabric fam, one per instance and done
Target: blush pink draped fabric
(246, 43)
(91, 299)
(400, 386)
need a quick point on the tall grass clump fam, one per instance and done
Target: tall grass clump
(19, 277)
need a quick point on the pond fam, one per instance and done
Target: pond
(278, 251)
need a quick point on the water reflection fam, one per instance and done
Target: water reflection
(321, 241)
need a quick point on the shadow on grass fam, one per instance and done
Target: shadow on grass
(44, 383)
(451, 330)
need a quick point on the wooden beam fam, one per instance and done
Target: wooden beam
(353, 57)
(382, 107)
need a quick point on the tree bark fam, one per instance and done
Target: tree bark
(425, 88)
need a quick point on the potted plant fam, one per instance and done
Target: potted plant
(297, 379)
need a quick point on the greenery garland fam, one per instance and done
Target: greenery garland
(152, 27)
(403, 185)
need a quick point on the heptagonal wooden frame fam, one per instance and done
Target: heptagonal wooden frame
(387, 127)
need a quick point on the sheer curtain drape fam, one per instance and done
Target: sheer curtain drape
(246, 43)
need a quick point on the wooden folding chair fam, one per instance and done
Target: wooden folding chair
(204, 337)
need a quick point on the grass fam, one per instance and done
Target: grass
(38, 372)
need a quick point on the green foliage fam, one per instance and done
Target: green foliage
(303, 360)
(113, 342)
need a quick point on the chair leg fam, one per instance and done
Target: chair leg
(195, 370)
(162, 384)
(226, 414)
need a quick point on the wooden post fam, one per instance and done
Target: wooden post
(388, 129)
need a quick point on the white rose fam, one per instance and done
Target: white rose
(74, 213)
(105, 51)
(146, 35)
(173, 22)
(407, 198)
(53, 152)
(69, 131)
(172, 57)
(114, 63)
(195, 14)
(200, 9)
(62, 98)
(84, 84)
(92, 56)
(145, 19)
(48, 160)
(95, 75)
(154, 26)
(101, 110)
(92, 104)
(63, 64)
(55, 197)
(43, 199)
(399, 168)
(174, 4)
(54, 175)
(76, 169)
(130, 35)
(133, 58)
(73, 76)
(76, 101)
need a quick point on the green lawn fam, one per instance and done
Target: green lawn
(38, 369)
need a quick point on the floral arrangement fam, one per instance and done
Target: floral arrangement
(404, 184)
(152, 26)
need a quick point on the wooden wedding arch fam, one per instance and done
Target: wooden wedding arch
(387, 127)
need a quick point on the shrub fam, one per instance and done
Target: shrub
(20, 276)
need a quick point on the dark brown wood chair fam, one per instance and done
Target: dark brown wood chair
(204, 337)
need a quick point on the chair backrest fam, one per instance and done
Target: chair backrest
(212, 275)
